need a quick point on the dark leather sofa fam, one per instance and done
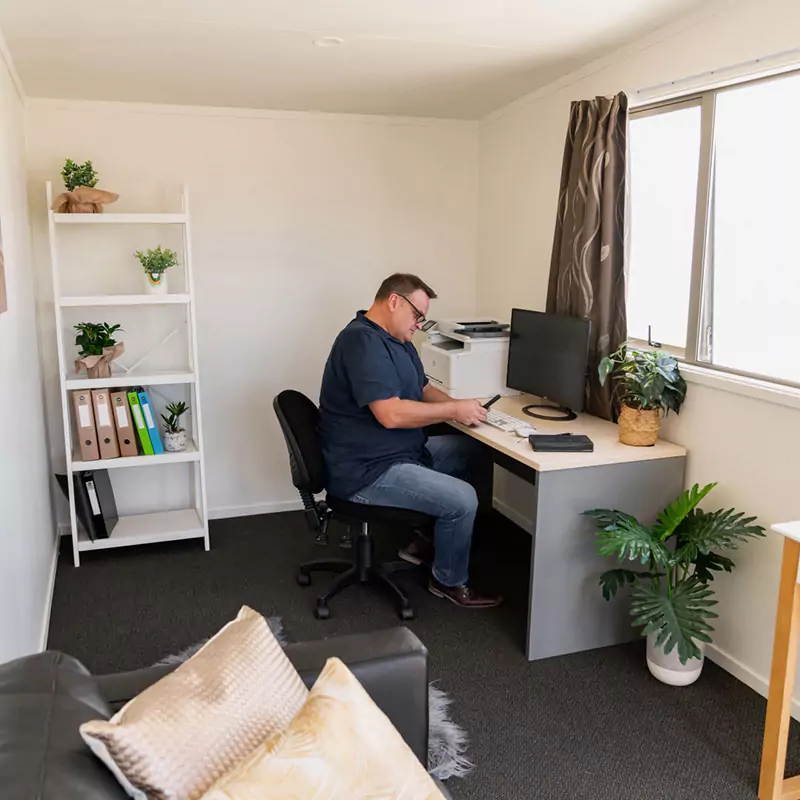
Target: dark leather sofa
(45, 697)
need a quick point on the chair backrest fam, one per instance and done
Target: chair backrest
(298, 418)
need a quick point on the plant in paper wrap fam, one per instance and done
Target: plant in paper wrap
(81, 196)
(98, 348)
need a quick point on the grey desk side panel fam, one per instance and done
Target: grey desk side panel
(567, 612)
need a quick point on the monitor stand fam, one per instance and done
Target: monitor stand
(568, 414)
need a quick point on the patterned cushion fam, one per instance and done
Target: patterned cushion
(188, 729)
(340, 746)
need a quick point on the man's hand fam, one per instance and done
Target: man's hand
(469, 412)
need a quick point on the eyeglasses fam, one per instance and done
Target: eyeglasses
(420, 316)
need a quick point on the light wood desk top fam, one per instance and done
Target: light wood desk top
(604, 434)
(791, 530)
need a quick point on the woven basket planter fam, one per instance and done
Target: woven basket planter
(639, 428)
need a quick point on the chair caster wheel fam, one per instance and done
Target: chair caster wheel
(406, 614)
(303, 579)
(322, 611)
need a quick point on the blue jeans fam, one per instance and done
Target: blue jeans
(441, 491)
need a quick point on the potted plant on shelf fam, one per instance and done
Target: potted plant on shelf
(671, 598)
(81, 196)
(174, 435)
(98, 348)
(647, 382)
(156, 263)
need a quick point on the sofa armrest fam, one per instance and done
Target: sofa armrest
(392, 665)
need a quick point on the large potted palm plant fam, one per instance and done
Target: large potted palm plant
(670, 598)
(646, 383)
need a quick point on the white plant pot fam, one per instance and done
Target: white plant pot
(175, 442)
(156, 284)
(667, 667)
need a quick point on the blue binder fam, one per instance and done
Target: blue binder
(150, 419)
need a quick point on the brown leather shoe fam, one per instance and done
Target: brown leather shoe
(419, 552)
(464, 596)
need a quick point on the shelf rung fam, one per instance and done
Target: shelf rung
(191, 453)
(141, 379)
(117, 219)
(124, 300)
(162, 526)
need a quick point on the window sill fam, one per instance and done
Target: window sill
(739, 384)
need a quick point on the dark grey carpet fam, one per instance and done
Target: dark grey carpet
(592, 725)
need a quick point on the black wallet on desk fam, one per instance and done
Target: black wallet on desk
(561, 442)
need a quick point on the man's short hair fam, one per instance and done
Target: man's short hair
(403, 283)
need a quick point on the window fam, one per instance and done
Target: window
(714, 270)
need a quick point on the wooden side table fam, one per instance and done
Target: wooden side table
(772, 785)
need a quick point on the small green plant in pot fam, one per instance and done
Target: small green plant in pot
(646, 383)
(82, 196)
(670, 598)
(174, 434)
(97, 348)
(155, 264)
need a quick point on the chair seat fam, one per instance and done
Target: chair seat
(366, 512)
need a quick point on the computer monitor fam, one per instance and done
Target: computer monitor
(548, 356)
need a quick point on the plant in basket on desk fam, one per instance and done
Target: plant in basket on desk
(174, 435)
(671, 599)
(647, 382)
(98, 348)
(156, 263)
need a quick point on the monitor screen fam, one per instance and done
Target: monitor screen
(548, 356)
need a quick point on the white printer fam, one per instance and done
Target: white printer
(467, 358)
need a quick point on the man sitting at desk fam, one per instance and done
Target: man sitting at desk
(374, 403)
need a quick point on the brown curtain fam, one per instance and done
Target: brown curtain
(587, 269)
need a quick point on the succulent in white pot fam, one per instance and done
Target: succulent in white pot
(671, 598)
(174, 435)
(155, 264)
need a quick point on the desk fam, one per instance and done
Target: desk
(566, 609)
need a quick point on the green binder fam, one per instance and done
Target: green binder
(139, 423)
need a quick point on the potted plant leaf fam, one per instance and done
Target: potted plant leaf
(646, 383)
(670, 597)
(81, 196)
(155, 264)
(174, 434)
(98, 348)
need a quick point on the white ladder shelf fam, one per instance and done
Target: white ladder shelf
(157, 526)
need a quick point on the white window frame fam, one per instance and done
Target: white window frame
(699, 344)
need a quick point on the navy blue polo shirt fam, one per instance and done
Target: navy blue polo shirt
(367, 363)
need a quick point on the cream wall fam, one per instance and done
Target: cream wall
(296, 219)
(27, 531)
(748, 445)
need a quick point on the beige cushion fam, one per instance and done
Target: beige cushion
(340, 746)
(185, 731)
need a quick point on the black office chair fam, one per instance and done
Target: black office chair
(298, 418)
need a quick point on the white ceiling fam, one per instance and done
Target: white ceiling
(437, 58)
